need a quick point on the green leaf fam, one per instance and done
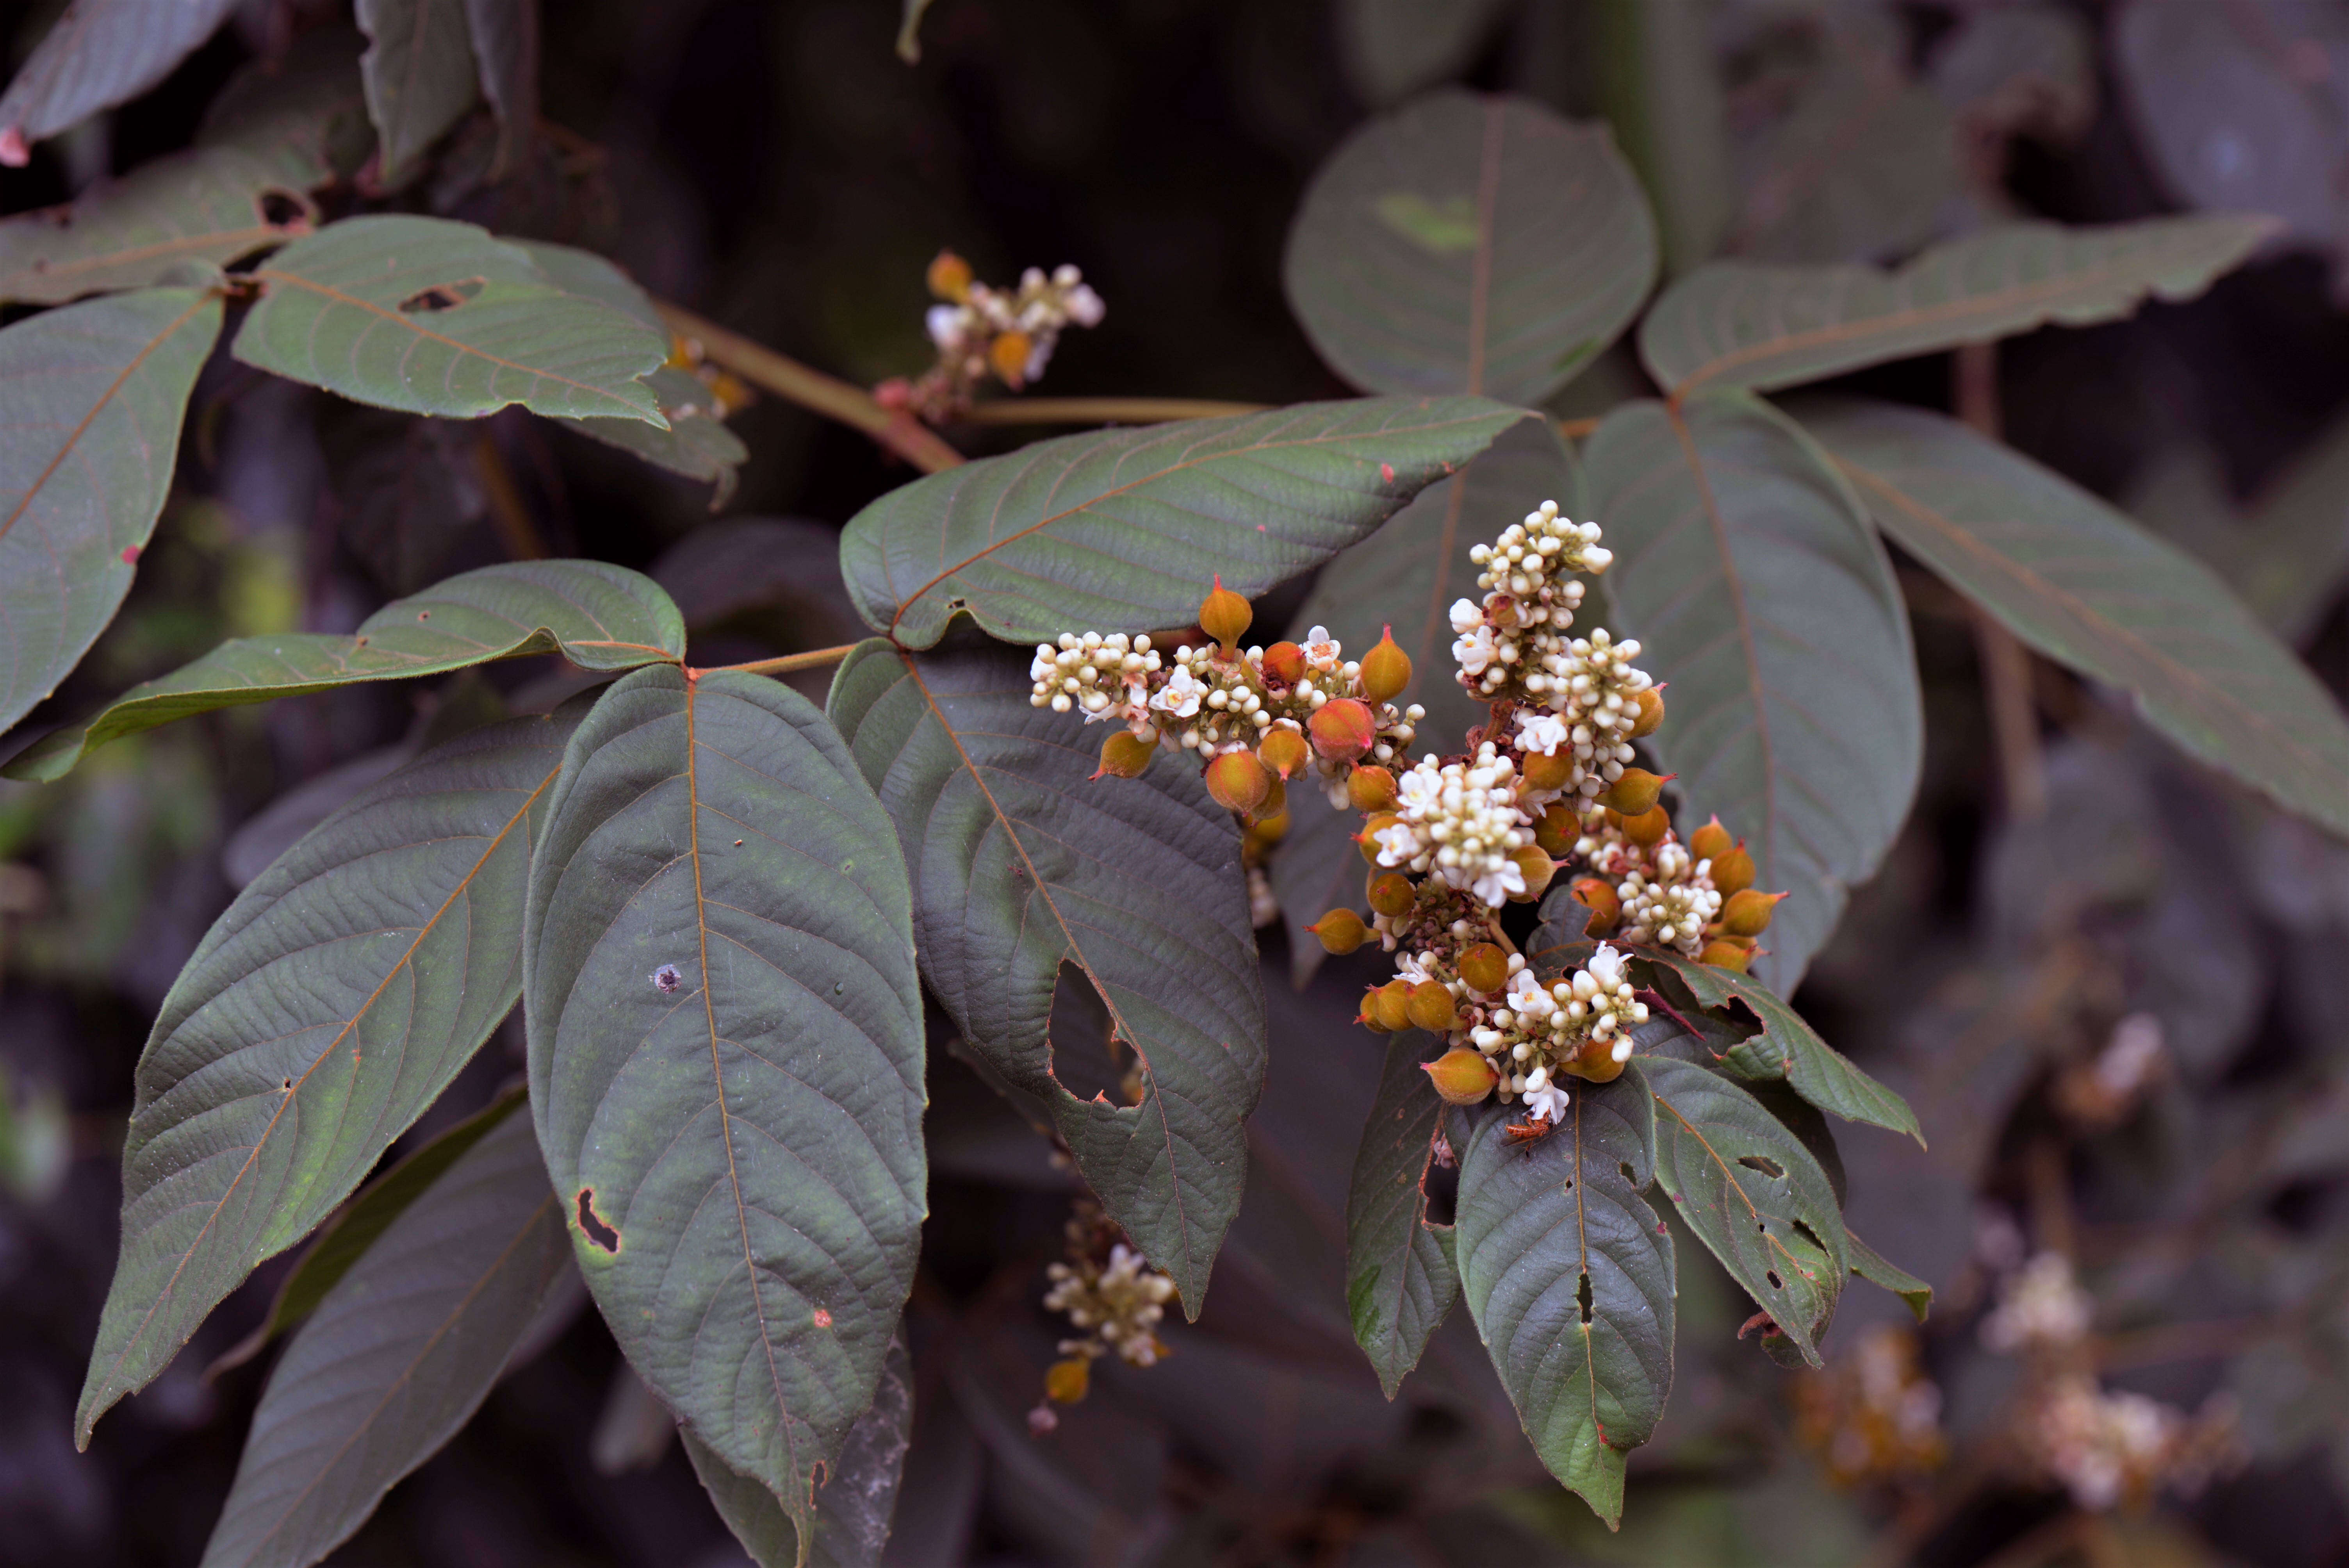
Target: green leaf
(304, 110)
(1400, 1275)
(1391, 48)
(1736, 324)
(2095, 592)
(1469, 244)
(1752, 1193)
(1315, 868)
(1126, 528)
(433, 317)
(1787, 1047)
(90, 402)
(599, 617)
(1873, 1267)
(209, 205)
(420, 73)
(1023, 863)
(725, 1059)
(1756, 589)
(399, 1353)
(1570, 1276)
(1657, 79)
(321, 1014)
(854, 1506)
(98, 54)
(505, 39)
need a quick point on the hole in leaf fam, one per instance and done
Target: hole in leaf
(283, 210)
(598, 1231)
(1741, 1016)
(1440, 1185)
(1776, 1282)
(1810, 1235)
(1087, 1058)
(441, 296)
(1582, 1295)
(1768, 1166)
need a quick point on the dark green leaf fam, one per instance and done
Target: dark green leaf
(854, 1506)
(2091, 590)
(1126, 528)
(209, 205)
(98, 54)
(1391, 48)
(1658, 78)
(1751, 578)
(725, 1059)
(1400, 1275)
(322, 1014)
(1024, 862)
(420, 73)
(597, 617)
(399, 1353)
(90, 401)
(1787, 1047)
(435, 317)
(303, 111)
(1470, 244)
(1734, 324)
(504, 34)
(1570, 1276)
(1752, 1193)
(1873, 1267)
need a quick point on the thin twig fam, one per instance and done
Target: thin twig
(511, 518)
(1101, 410)
(827, 395)
(2006, 663)
(815, 659)
(1575, 429)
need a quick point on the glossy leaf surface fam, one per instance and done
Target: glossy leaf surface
(726, 1059)
(100, 53)
(420, 74)
(1125, 530)
(206, 206)
(1401, 1279)
(1022, 863)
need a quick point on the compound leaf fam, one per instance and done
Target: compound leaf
(726, 1059)
(1124, 528)
(430, 316)
(1022, 863)
(400, 1352)
(90, 403)
(1757, 591)
(209, 205)
(321, 1014)
(98, 54)
(1401, 1279)
(1470, 244)
(420, 73)
(599, 617)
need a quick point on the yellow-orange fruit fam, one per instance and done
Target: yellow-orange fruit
(1341, 931)
(1285, 662)
(1461, 1077)
(1342, 729)
(1385, 669)
(1284, 751)
(1270, 829)
(1124, 756)
(1368, 1016)
(1485, 968)
(1275, 805)
(1008, 355)
(1548, 769)
(1224, 615)
(1239, 783)
(1723, 954)
(1065, 1382)
(1599, 897)
(1634, 793)
(1393, 1001)
(1368, 838)
(1594, 1061)
(1748, 912)
(1649, 826)
(1391, 893)
(1733, 872)
(1651, 714)
(1557, 829)
(1372, 789)
(949, 277)
(1430, 1008)
(1710, 842)
(1536, 866)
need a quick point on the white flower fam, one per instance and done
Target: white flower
(1322, 649)
(1398, 844)
(1420, 790)
(1465, 616)
(1605, 967)
(1538, 731)
(1494, 886)
(1181, 695)
(1084, 305)
(1547, 1103)
(946, 324)
(1473, 650)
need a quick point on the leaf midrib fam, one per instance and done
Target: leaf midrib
(1730, 1176)
(179, 244)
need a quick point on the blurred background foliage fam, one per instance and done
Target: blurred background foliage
(2114, 987)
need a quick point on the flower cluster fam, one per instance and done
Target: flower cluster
(1008, 334)
(1460, 822)
(2042, 1308)
(1874, 1416)
(1108, 1291)
(2102, 1092)
(2106, 1446)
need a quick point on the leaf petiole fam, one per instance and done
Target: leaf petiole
(813, 659)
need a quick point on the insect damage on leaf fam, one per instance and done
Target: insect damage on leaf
(441, 296)
(597, 1230)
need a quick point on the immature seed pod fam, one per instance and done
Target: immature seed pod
(1724, 953)
(1224, 615)
(1430, 1007)
(1273, 808)
(1008, 355)
(1462, 1077)
(1386, 669)
(1485, 968)
(1748, 912)
(1239, 783)
(1710, 842)
(1732, 872)
(1124, 756)
(1392, 894)
(1536, 866)
(1648, 828)
(1285, 662)
(1284, 751)
(949, 277)
(1636, 793)
(1597, 896)
(1342, 729)
(1065, 1382)
(1548, 770)
(1341, 931)
(1557, 829)
(1595, 1061)
(1268, 830)
(1651, 714)
(1368, 837)
(1368, 1016)
(1370, 788)
(1393, 1003)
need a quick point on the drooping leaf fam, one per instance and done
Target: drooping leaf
(599, 617)
(2093, 591)
(696, 443)
(400, 1352)
(420, 73)
(1736, 324)
(1401, 1278)
(209, 205)
(90, 401)
(1391, 48)
(1022, 863)
(1469, 244)
(1873, 1267)
(1752, 1193)
(433, 317)
(322, 1014)
(726, 1059)
(504, 34)
(1787, 1047)
(1126, 528)
(303, 111)
(1750, 576)
(854, 1506)
(1571, 1278)
(98, 54)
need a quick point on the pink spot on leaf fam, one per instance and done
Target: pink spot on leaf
(822, 1318)
(130, 555)
(1386, 472)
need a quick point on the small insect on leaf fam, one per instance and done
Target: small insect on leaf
(441, 297)
(1528, 1133)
